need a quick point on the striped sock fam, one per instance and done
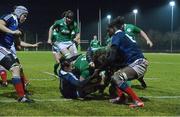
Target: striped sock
(18, 86)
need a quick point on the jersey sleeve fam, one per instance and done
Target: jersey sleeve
(115, 40)
(7, 18)
(76, 29)
(137, 29)
(58, 24)
(85, 74)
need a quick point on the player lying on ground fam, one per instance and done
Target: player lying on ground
(70, 84)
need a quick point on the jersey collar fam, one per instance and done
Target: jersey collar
(118, 31)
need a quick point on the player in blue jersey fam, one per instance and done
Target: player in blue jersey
(134, 62)
(9, 28)
(70, 84)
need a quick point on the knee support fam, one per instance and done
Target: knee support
(119, 78)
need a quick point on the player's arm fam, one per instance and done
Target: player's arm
(50, 35)
(24, 44)
(75, 81)
(144, 35)
(3, 28)
(77, 38)
(89, 56)
(113, 52)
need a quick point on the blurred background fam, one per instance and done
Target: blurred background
(157, 18)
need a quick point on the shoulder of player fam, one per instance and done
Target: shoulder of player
(8, 17)
(60, 22)
(119, 34)
(75, 23)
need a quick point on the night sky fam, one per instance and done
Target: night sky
(153, 14)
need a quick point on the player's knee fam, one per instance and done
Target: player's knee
(119, 78)
(15, 68)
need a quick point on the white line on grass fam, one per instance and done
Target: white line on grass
(51, 74)
(162, 97)
(38, 100)
(64, 100)
(40, 79)
(166, 63)
(151, 78)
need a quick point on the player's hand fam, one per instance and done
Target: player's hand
(18, 47)
(17, 32)
(91, 64)
(149, 43)
(95, 74)
(49, 41)
(77, 40)
(36, 44)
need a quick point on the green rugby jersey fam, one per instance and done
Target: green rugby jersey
(95, 43)
(81, 64)
(131, 30)
(66, 32)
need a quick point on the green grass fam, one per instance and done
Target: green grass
(162, 80)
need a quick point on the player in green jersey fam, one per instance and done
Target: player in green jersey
(132, 31)
(94, 44)
(68, 35)
(56, 54)
(81, 65)
(66, 38)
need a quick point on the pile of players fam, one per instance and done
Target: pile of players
(116, 64)
(80, 74)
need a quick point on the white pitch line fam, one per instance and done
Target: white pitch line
(40, 79)
(163, 97)
(166, 63)
(64, 100)
(52, 100)
(51, 74)
(150, 78)
(38, 100)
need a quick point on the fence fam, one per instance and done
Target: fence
(161, 42)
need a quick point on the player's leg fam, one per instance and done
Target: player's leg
(120, 77)
(73, 50)
(57, 57)
(24, 79)
(140, 66)
(9, 62)
(68, 49)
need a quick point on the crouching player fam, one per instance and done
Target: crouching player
(135, 64)
(71, 86)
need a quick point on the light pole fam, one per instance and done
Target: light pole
(109, 18)
(135, 11)
(172, 4)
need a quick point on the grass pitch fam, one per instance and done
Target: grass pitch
(161, 98)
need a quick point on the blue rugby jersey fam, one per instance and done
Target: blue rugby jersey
(127, 47)
(11, 23)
